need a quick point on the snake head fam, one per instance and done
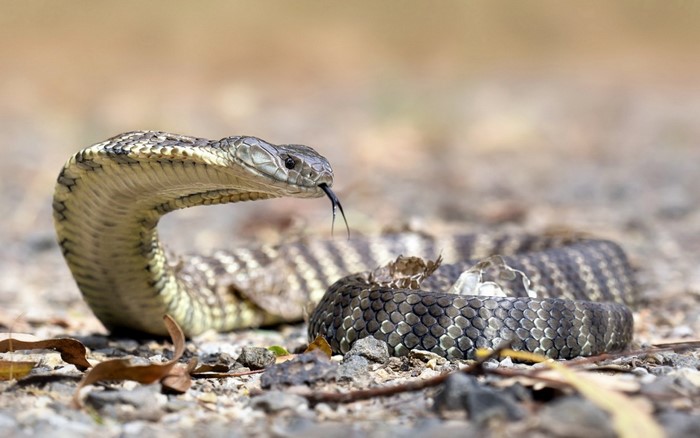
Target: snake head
(297, 169)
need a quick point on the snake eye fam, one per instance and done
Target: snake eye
(289, 163)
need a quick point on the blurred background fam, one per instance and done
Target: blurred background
(459, 115)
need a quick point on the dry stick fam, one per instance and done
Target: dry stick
(385, 391)
(675, 347)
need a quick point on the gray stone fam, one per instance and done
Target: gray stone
(640, 371)
(680, 424)
(483, 404)
(302, 370)
(7, 422)
(575, 417)
(218, 359)
(139, 397)
(669, 386)
(275, 401)
(660, 370)
(354, 368)
(370, 348)
(256, 358)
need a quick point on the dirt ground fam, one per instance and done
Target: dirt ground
(465, 118)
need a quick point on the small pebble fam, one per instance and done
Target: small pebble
(490, 364)
(141, 396)
(680, 424)
(275, 401)
(575, 417)
(660, 370)
(354, 368)
(256, 358)
(482, 403)
(640, 371)
(370, 348)
(303, 369)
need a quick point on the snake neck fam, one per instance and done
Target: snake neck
(106, 211)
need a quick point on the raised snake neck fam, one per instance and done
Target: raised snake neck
(110, 196)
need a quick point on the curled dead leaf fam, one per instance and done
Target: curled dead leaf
(122, 369)
(72, 351)
(320, 343)
(179, 380)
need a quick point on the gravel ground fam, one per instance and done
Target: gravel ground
(609, 154)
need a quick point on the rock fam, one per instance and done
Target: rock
(7, 422)
(224, 360)
(483, 404)
(660, 370)
(370, 348)
(669, 386)
(518, 392)
(639, 371)
(680, 424)
(575, 417)
(275, 401)
(302, 370)
(60, 427)
(256, 358)
(175, 405)
(490, 364)
(139, 397)
(507, 362)
(353, 368)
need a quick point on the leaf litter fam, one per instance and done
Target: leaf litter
(172, 375)
(629, 418)
(72, 351)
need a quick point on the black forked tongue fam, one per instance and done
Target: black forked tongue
(336, 205)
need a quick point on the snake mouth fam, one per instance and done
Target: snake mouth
(335, 202)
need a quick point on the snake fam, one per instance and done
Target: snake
(560, 296)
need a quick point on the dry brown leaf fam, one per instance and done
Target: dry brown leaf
(72, 350)
(285, 358)
(320, 343)
(11, 370)
(179, 380)
(122, 369)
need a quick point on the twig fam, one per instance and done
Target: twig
(386, 391)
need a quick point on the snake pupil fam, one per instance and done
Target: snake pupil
(289, 163)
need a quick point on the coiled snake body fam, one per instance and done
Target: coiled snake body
(110, 196)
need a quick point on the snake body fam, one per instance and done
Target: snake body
(110, 196)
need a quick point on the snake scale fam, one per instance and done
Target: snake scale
(110, 196)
